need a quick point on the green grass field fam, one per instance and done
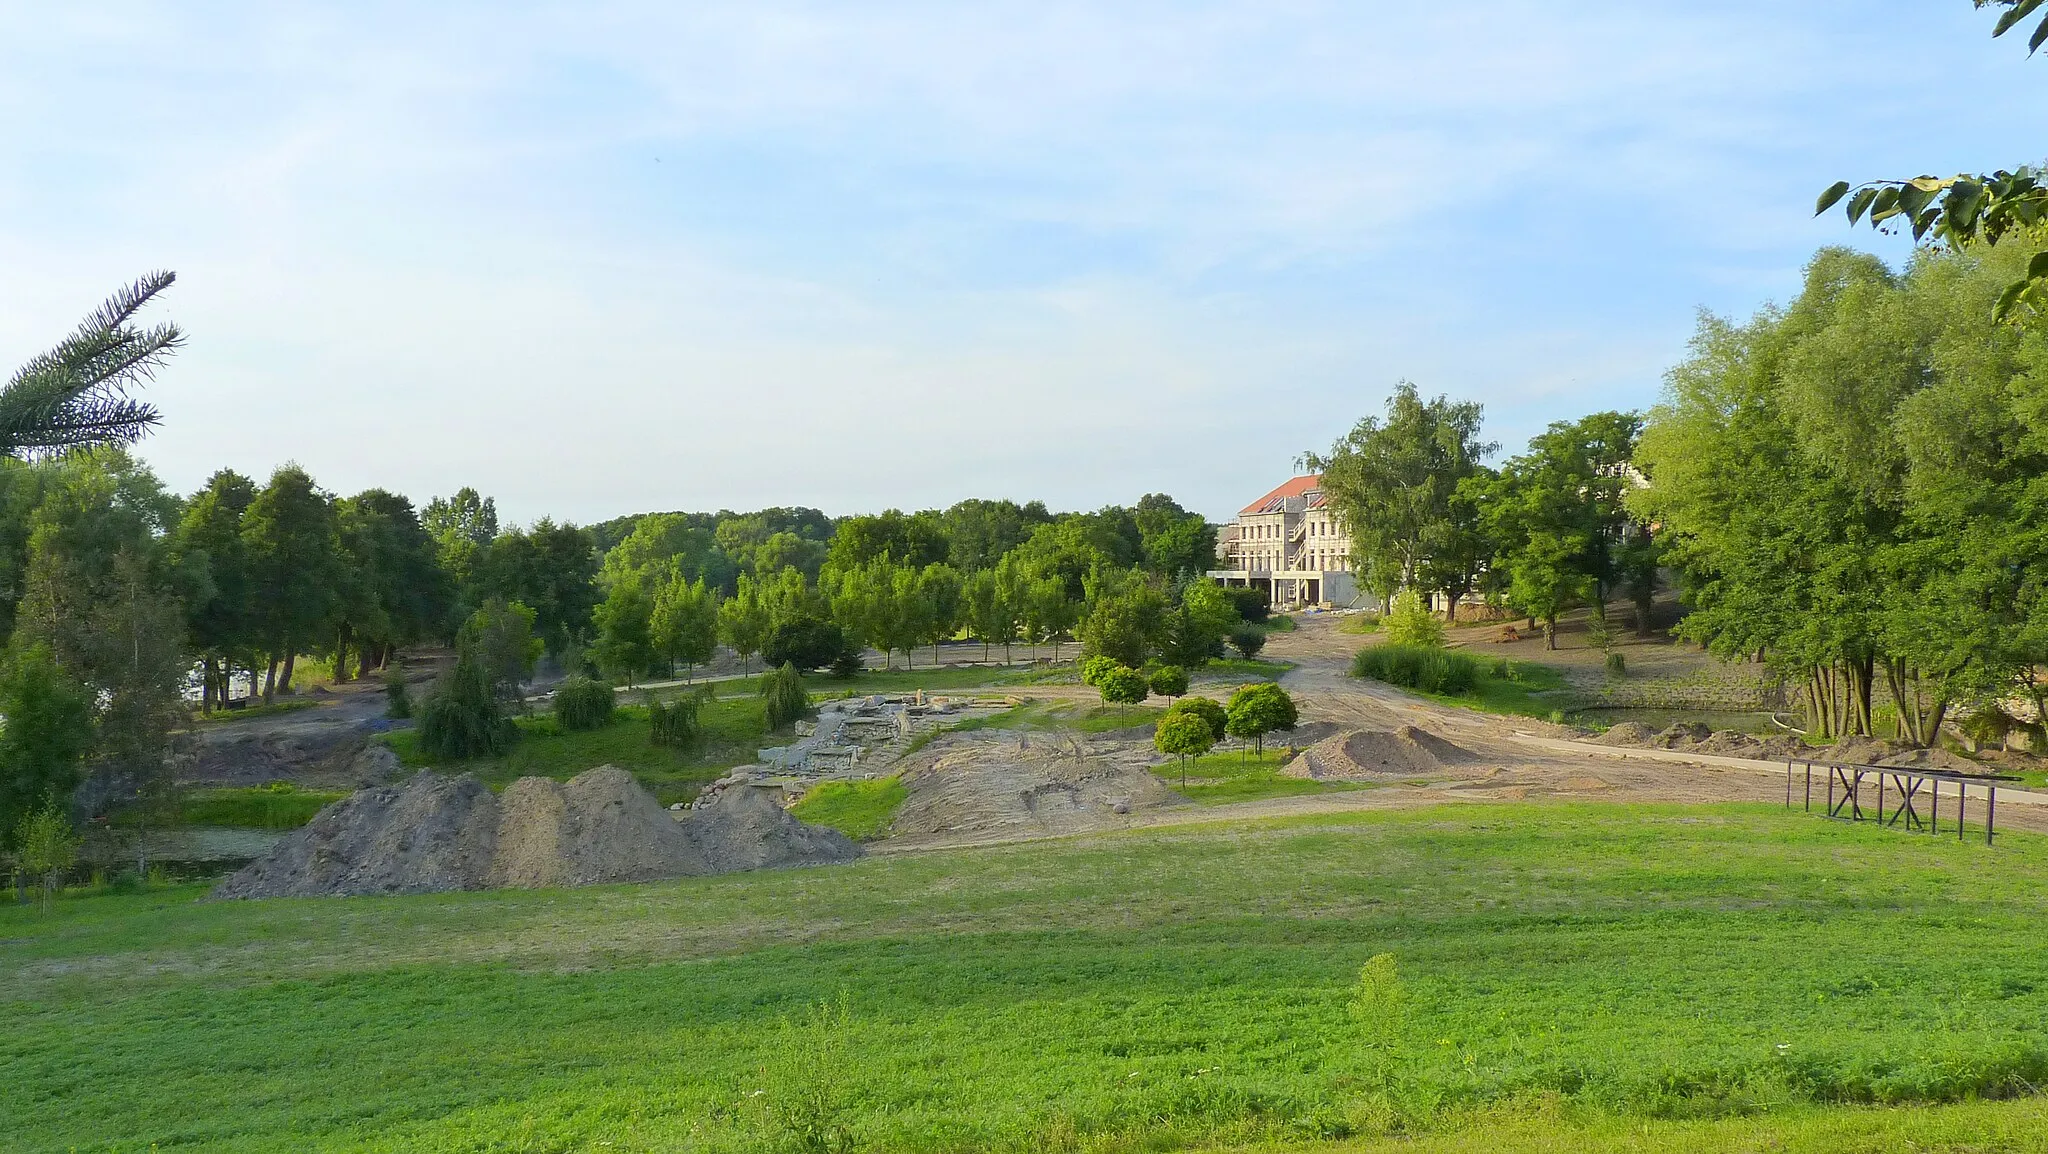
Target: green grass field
(254, 808)
(862, 810)
(1569, 977)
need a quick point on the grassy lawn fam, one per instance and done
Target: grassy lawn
(862, 810)
(1568, 978)
(733, 730)
(255, 807)
(1225, 776)
(1238, 668)
(1516, 688)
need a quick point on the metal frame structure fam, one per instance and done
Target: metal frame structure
(1845, 789)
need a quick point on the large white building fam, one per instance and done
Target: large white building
(1291, 544)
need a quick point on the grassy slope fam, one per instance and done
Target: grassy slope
(862, 810)
(1524, 694)
(1568, 973)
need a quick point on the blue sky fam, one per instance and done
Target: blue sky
(606, 257)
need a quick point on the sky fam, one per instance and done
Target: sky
(605, 257)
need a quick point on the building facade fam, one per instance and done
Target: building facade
(1291, 544)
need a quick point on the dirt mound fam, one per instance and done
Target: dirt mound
(1930, 759)
(1377, 753)
(744, 829)
(437, 833)
(1730, 743)
(431, 833)
(1627, 733)
(991, 782)
(1681, 735)
(1787, 747)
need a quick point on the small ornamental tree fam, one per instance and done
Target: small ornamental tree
(1170, 681)
(1093, 669)
(1257, 710)
(47, 850)
(783, 691)
(1183, 735)
(1248, 642)
(1123, 687)
(1211, 713)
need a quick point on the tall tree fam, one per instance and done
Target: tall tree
(1394, 482)
(208, 551)
(684, 623)
(295, 566)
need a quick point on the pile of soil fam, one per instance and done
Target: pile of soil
(1375, 754)
(436, 833)
(992, 782)
(1627, 733)
(1681, 735)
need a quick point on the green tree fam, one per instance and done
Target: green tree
(1248, 642)
(1173, 541)
(1124, 619)
(462, 527)
(940, 590)
(1394, 483)
(991, 614)
(551, 568)
(208, 553)
(498, 640)
(1170, 681)
(1411, 622)
(46, 849)
(1257, 710)
(742, 622)
(783, 694)
(392, 589)
(48, 729)
(462, 719)
(1212, 714)
(684, 623)
(625, 648)
(1123, 688)
(76, 395)
(295, 564)
(1182, 735)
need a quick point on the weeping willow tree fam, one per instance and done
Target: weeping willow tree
(77, 395)
(1851, 488)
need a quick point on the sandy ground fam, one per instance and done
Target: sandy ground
(1511, 759)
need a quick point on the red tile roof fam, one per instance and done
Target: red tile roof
(1309, 487)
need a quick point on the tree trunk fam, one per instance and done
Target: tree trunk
(209, 687)
(343, 634)
(284, 678)
(1549, 633)
(1450, 608)
(270, 683)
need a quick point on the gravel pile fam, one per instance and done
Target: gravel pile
(1375, 754)
(435, 833)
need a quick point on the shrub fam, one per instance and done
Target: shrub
(676, 722)
(1411, 622)
(1170, 681)
(1208, 710)
(805, 642)
(582, 703)
(397, 699)
(1418, 667)
(461, 718)
(1253, 603)
(1123, 687)
(1616, 663)
(1257, 710)
(1093, 669)
(783, 690)
(848, 665)
(1248, 642)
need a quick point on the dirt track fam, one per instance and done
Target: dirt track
(1513, 759)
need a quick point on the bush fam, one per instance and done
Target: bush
(1616, 663)
(783, 690)
(1094, 668)
(1123, 687)
(1170, 681)
(1248, 642)
(676, 722)
(1428, 669)
(582, 703)
(1208, 710)
(848, 665)
(1411, 622)
(1252, 603)
(397, 699)
(461, 718)
(805, 642)
(1257, 710)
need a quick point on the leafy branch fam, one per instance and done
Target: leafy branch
(76, 394)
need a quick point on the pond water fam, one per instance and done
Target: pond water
(1757, 723)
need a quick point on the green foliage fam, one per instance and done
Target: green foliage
(46, 726)
(462, 719)
(683, 625)
(45, 849)
(1252, 603)
(584, 703)
(862, 810)
(1210, 712)
(1182, 735)
(1123, 687)
(1412, 624)
(1248, 642)
(498, 640)
(1379, 1003)
(743, 621)
(807, 643)
(1617, 665)
(397, 698)
(1169, 681)
(625, 630)
(676, 723)
(1257, 710)
(1123, 622)
(1093, 669)
(76, 395)
(1431, 670)
(782, 692)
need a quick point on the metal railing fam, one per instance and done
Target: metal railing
(1916, 794)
